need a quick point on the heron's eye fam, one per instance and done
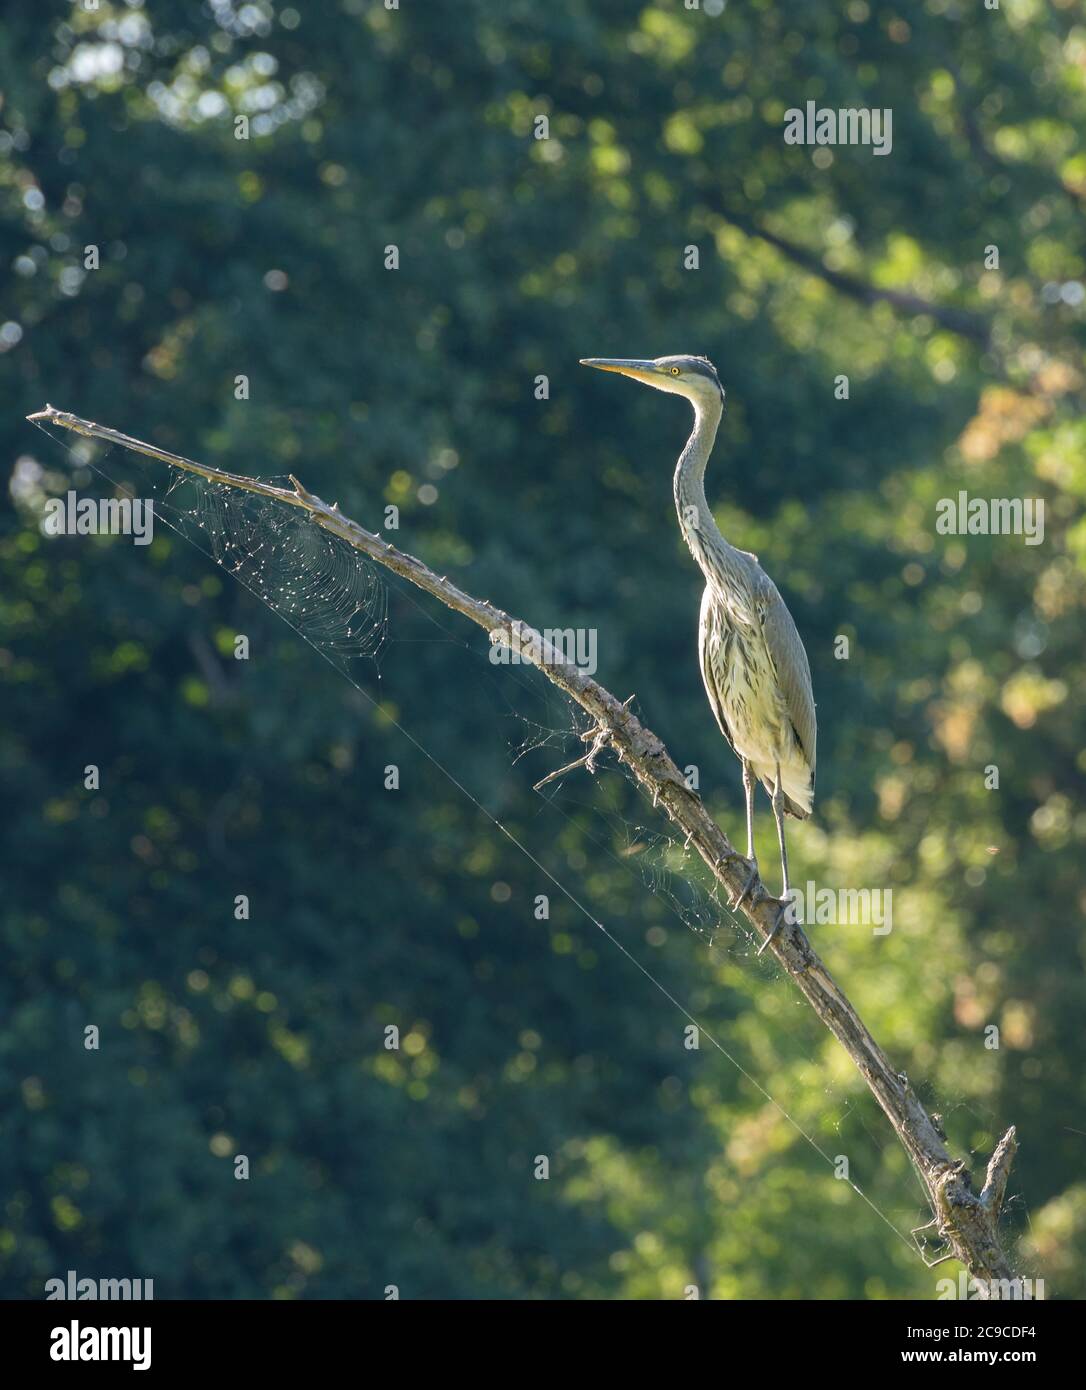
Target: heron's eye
(674, 371)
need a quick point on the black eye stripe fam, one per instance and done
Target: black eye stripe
(697, 366)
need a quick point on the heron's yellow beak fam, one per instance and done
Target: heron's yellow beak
(639, 368)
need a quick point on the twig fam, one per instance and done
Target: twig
(599, 738)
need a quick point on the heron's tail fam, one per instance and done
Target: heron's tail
(793, 806)
(798, 782)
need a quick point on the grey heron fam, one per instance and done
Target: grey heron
(753, 661)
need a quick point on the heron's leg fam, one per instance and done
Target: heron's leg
(748, 789)
(778, 816)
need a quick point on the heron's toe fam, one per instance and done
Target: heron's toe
(782, 917)
(751, 881)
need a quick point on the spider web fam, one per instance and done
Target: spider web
(330, 594)
(327, 591)
(337, 599)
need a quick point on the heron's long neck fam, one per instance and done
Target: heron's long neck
(700, 531)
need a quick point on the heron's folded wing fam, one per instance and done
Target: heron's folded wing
(712, 654)
(789, 658)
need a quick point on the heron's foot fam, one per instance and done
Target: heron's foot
(782, 917)
(734, 857)
(751, 881)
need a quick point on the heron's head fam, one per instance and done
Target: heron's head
(692, 377)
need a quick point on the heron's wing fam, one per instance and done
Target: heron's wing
(712, 654)
(790, 662)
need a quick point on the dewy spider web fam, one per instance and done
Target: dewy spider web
(337, 600)
(330, 594)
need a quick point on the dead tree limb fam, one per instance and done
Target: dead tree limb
(965, 1219)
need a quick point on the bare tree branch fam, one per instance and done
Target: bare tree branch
(960, 321)
(965, 1220)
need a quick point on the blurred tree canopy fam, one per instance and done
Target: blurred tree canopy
(266, 257)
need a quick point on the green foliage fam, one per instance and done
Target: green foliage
(265, 257)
